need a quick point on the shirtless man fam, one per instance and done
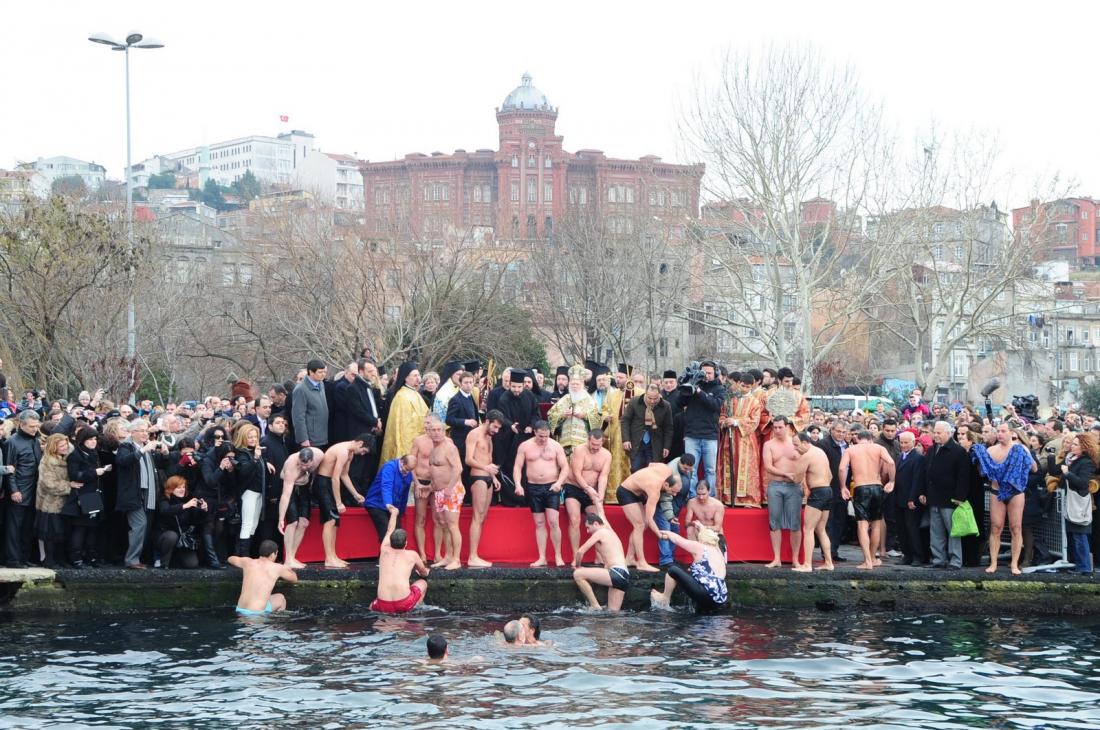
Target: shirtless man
(870, 464)
(395, 566)
(812, 471)
(708, 512)
(445, 467)
(483, 479)
(422, 494)
(294, 506)
(638, 496)
(546, 470)
(259, 578)
(615, 576)
(587, 483)
(332, 474)
(784, 495)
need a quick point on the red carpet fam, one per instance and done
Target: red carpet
(508, 536)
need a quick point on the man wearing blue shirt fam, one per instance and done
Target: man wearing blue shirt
(390, 486)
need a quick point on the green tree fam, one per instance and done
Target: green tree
(1090, 398)
(163, 181)
(212, 195)
(246, 187)
(70, 186)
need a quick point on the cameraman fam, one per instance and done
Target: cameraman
(701, 420)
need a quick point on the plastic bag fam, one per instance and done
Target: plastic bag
(963, 523)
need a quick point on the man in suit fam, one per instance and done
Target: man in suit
(309, 409)
(359, 405)
(834, 445)
(262, 416)
(462, 415)
(945, 485)
(907, 486)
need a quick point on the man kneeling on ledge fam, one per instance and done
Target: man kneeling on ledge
(259, 578)
(395, 566)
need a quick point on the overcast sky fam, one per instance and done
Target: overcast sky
(379, 81)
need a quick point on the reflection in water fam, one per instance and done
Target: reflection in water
(777, 668)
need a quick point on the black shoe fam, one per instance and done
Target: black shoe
(838, 559)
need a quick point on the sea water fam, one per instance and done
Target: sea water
(636, 670)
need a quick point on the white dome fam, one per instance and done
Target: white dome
(526, 96)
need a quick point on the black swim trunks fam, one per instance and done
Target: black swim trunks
(487, 481)
(820, 498)
(620, 577)
(299, 506)
(624, 496)
(424, 482)
(574, 492)
(867, 502)
(322, 493)
(540, 498)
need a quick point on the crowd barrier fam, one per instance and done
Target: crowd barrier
(1050, 534)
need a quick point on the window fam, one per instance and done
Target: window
(653, 197)
(1084, 334)
(1096, 335)
(486, 193)
(613, 194)
(1084, 215)
(547, 163)
(1073, 361)
(583, 196)
(788, 331)
(661, 198)
(393, 278)
(937, 252)
(960, 253)
(515, 160)
(477, 193)
(530, 162)
(1061, 229)
(229, 274)
(789, 302)
(548, 226)
(1085, 236)
(532, 230)
(532, 191)
(547, 193)
(244, 273)
(515, 191)
(1086, 365)
(937, 230)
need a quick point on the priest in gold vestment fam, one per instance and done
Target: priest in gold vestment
(407, 411)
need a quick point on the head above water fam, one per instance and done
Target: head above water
(512, 631)
(437, 646)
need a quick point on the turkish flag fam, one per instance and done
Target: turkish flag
(284, 118)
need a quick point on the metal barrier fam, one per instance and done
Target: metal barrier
(1050, 533)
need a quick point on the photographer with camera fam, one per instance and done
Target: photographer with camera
(701, 395)
(179, 517)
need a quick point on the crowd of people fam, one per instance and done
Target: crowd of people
(89, 482)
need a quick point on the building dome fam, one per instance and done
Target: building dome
(526, 96)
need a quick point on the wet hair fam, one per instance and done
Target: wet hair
(511, 631)
(596, 433)
(701, 485)
(865, 436)
(305, 456)
(536, 625)
(437, 646)
(398, 538)
(368, 440)
(268, 548)
(593, 519)
(540, 425)
(688, 459)
(804, 437)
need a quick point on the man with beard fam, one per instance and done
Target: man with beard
(610, 401)
(575, 414)
(492, 402)
(520, 410)
(483, 479)
(561, 384)
(407, 411)
(672, 397)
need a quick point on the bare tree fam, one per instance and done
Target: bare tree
(793, 150)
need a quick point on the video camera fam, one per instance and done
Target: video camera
(690, 379)
(1026, 406)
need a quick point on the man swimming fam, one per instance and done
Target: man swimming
(615, 576)
(260, 575)
(395, 566)
(437, 649)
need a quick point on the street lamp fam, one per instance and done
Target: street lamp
(133, 40)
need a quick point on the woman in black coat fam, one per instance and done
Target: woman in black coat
(84, 469)
(216, 490)
(252, 472)
(179, 518)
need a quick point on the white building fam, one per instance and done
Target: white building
(18, 185)
(271, 159)
(333, 178)
(52, 168)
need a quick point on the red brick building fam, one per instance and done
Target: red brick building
(1063, 230)
(520, 189)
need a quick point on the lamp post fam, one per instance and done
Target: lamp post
(133, 40)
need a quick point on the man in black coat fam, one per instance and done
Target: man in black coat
(908, 481)
(520, 409)
(136, 464)
(22, 455)
(462, 415)
(833, 444)
(946, 482)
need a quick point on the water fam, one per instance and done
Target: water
(642, 670)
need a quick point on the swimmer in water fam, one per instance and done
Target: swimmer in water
(259, 578)
(437, 649)
(513, 633)
(395, 566)
(532, 629)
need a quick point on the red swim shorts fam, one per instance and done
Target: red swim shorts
(405, 605)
